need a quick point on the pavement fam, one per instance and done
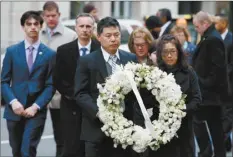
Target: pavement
(46, 146)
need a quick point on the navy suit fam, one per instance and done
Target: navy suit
(28, 88)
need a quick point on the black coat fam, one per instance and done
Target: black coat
(209, 62)
(230, 70)
(184, 145)
(92, 70)
(70, 115)
(66, 62)
(188, 81)
(228, 41)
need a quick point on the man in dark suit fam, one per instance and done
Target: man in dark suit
(64, 73)
(27, 87)
(209, 64)
(93, 69)
(166, 19)
(221, 25)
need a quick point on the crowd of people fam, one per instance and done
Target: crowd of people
(57, 69)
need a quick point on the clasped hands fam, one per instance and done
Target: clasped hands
(19, 109)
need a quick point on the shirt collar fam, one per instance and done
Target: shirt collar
(88, 46)
(107, 55)
(224, 34)
(58, 29)
(164, 27)
(35, 45)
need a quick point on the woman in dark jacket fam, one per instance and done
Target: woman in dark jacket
(171, 59)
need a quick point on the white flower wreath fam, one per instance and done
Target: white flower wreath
(122, 130)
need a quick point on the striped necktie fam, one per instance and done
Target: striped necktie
(112, 62)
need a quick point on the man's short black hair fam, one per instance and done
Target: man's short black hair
(107, 22)
(166, 13)
(153, 22)
(88, 8)
(31, 14)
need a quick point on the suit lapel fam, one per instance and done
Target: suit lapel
(22, 55)
(100, 62)
(123, 57)
(39, 56)
(75, 49)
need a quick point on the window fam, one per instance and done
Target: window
(121, 9)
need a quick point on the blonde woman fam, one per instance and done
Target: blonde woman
(139, 43)
(182, 35)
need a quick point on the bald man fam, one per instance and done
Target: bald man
(209, 64)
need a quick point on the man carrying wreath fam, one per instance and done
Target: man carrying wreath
(93, 69)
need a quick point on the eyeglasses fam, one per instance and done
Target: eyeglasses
(140, 45)
(167, 52)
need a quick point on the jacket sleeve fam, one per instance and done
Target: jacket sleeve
(82, 93)
(61, 83)
(6, 77)
(195, 94)
(44, 98)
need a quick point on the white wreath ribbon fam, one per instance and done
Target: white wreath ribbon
(145, 114)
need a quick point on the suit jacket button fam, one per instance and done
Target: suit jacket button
(74, 113)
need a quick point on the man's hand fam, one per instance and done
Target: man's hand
(17, 107)
(30, 111)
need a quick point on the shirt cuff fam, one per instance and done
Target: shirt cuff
(12, 101)
(38, 107)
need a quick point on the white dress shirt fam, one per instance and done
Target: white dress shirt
(163, 28)
(35, 50)
(88, 46)
(107, 55)
(224, 34)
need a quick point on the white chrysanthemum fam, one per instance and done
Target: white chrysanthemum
(122, 130)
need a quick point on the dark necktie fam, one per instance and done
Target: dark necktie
(30, 57)
(84, 51)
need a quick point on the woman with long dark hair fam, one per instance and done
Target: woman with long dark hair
(171, 59)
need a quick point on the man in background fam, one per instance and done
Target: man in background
(209, 62)
(221, 25)
(166, 19)
(153, 24)
(66, 62)
(93, 11)
(53, 35)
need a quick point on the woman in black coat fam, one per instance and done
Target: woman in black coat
(171, 59)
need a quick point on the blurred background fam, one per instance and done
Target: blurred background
(136, 11)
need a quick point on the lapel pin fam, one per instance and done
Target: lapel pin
(40, 53)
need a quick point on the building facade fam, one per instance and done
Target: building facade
(12, 11)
